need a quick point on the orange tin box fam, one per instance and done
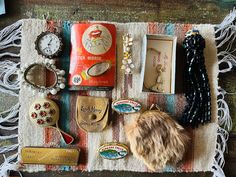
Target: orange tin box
(92, 57)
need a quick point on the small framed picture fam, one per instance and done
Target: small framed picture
(159, 58)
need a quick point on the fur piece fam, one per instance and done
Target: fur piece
(156, 139)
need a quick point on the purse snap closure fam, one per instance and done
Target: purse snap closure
(92, 117)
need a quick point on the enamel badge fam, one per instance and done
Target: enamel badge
(126, 106)
(113, 151)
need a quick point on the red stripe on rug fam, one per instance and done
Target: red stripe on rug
(187, 163)
(152, 28)
(52, 139)
(47, 136)
(73, 124)
(181, 102)
(82, 136)
(161, 102)
(116, 127)
(151, 99)
(130, 81)
(114, 119)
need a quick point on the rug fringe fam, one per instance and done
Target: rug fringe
(225, 37)
(10, 37)
(221, 147)
(228, 20)
(10, 85)
(9, 69)
(8, 165)
(224, 118)
(8, 148)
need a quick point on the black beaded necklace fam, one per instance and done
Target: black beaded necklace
(198, 109)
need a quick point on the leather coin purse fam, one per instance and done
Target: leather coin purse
(92, 113)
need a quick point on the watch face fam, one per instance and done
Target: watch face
(48, 44)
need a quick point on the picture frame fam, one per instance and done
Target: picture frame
(158, 63)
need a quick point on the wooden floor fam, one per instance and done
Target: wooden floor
(183, 11)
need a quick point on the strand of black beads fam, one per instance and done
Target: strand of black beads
(195, 102)
(189, 117)
(197, 92)
(190, 95)
(192, 92)
(198, 109)
(202, 110)
(203, 86)
(198, 117)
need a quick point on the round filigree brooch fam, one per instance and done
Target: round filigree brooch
(43, 77)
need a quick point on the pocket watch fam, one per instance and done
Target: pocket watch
(48, 44)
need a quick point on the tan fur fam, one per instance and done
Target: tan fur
(156, 139)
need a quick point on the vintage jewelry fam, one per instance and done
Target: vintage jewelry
(48, 44)
(127, 62)
(198, 109)
(126, 106)
(48, 64)
(113, 151)
(45, 113)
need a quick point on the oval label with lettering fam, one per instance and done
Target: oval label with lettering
(98, 69)
(113, 151)
(126, 106)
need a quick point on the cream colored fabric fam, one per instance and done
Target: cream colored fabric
(29, 134)
(205, 136)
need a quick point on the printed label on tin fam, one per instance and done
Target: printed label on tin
(126, 106)
(93, 56)
(97, 39)
(76, 80)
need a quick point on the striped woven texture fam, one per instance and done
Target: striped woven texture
(200, 154)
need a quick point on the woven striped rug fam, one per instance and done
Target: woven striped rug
(207, 142)
(200, 155)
